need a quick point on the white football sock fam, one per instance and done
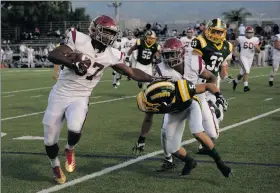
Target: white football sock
(246, 83)
(55, 162)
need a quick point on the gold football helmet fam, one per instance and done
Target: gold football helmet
(216, 30)
(150, 38)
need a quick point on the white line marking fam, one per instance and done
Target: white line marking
(3, 134)
(268, 99)
(41, 88)
(7, 96)
(232, 98)
(138, 159)
(41, 112)
(16, 71)
(36, 96)
(25, 90)
(95, 97)
(31, 138)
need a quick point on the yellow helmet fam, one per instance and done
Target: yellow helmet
(150, 38)
(216, 30)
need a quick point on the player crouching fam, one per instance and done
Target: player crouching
(177, 102)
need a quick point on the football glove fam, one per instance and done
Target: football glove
(220, 100)
(127, 59)
(228, 79)
(80, 68)
(138, 148)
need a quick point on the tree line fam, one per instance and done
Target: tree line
(30, 14)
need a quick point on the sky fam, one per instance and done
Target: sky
(169, 11)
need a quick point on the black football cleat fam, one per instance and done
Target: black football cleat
(226, 171)
(234, 85)
(270, 83)
(189, 166)
(167, 165)
(246, 89)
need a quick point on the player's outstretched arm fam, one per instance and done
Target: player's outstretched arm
(133, 73)
(201, 88)
(209, 76)
(131, 50)
(58, 56)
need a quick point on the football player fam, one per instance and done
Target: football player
(174, 65)
(248, 45)
(147, 49)
(177, 102)
(186, 40)
(215, 51)
(85, 57)
(129, 42)
(276, 59)
(118, 44)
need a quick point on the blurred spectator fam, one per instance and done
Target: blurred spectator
(37, 32)
(258, 30)
(165, 30)
(241, 30)
(57, 33)
(275, 29)
(201, 28)
(261, 55)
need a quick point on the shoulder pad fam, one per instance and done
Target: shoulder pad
(229, 46)
(202, 41)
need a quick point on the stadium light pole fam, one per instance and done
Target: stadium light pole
(116, 5)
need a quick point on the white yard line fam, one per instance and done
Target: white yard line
(36, 96)
(40, 88)
(138, 159)
(3, 134)
(20, 71)
(41, 112)
(8, 96)
(31, 138)
(268, 99)
(232, 98)
(95, 97)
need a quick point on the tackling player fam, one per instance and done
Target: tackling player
(85, 57)
(177, 102)
(215, 50)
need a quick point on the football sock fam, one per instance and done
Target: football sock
(214, 154)
(246, 83)
(236, 80)
(271, 78)
(55, 162)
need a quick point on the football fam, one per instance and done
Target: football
(79, 57)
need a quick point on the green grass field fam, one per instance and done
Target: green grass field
(112, 127)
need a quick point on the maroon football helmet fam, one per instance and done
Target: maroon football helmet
(173, 52)
(249, 32)
(104, 29)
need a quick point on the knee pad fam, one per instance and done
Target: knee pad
(73, 138)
